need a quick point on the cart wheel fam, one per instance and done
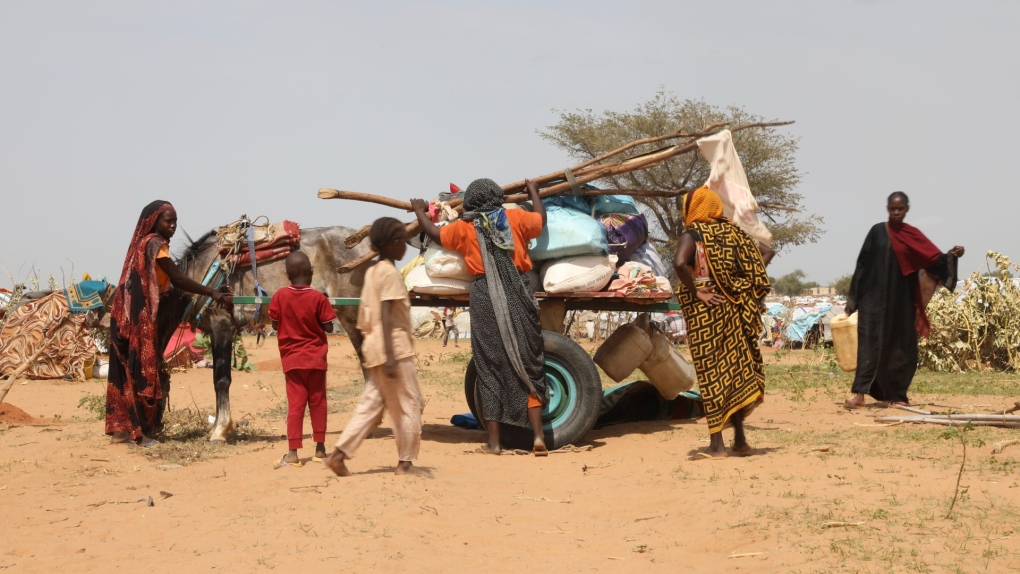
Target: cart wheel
(575, 395)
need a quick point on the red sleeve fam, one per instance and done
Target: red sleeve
(529, 224)
(274, 306)
(326, 312)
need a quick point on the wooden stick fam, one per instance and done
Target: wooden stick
(955, 417)
(911, 409)
(958, 423)
(357, 237)
(326, 193)
(13, 376)
(1002, 444)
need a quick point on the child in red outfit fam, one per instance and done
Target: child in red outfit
(302, 317)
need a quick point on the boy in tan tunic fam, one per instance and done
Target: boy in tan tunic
(384, 319)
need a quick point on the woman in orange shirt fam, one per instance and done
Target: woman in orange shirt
(506, 336)
(143, 315)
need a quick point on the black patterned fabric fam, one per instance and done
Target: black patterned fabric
(500, 394)
(724, 339)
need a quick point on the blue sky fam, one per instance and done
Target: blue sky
(249, 107)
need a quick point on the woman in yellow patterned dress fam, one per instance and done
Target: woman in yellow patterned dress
(723, 281)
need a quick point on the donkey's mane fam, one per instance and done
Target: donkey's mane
(194, 249)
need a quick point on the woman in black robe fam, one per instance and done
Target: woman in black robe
(897, 271)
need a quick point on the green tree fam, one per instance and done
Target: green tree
(791, 284)
(842, 284)
(767, 155)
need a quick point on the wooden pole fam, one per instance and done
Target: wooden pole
(584, 173)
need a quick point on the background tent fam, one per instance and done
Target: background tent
(33, 324)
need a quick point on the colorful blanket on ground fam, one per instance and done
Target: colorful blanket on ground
(281, 239)
(87, 295)
(33, 324)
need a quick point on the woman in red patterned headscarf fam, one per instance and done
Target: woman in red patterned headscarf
(146, 308)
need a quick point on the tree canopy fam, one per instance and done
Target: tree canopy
(767, 155)
(792, 283)
(842, 284)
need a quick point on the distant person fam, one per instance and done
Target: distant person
(301, 317)
(506, 336)
(391, 382)
(449, 326)
(897, 272)
(723, 283)
(146, 309)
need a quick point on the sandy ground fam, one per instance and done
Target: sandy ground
(825, 490)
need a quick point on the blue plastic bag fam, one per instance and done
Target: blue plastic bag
(569, 232)
(603, 204)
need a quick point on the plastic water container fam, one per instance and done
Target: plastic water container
(624, 350)
(667, 369)
(88, 367)
(844, 341)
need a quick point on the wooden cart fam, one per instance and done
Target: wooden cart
(575, 388)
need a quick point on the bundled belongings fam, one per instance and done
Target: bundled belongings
(638, 278)
(443, 263)
(579, 273)
(568, 232)
(420, 280)
(582, 220)
(87, 296)
(49, 322)
(625, 233)
(271, 241)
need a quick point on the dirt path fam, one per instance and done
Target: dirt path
(826, 490)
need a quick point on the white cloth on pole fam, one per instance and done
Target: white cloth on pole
(728, 179)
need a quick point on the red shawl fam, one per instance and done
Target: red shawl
(136, 301)
(915, 253)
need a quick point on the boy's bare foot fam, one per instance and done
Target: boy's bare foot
(291, 457)
(320, 452)
(120, 437)
(405, 468)
(488, 449)
(335, 461)
(539, 448)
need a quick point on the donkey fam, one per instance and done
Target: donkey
(324, 247)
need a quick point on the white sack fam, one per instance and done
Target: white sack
(578, 273)
(445, 263)
(419, 281)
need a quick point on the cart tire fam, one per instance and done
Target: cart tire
(575, 396)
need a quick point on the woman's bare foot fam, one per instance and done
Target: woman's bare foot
(146, 441)
(741, 449)
(120, 437)
(709, 455)
(539, 448)
(291, 457)
(716, 447)
(335, 461)
(855, 401)
(405, 468)
(489, 449)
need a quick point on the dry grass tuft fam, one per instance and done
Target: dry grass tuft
(186, 441)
